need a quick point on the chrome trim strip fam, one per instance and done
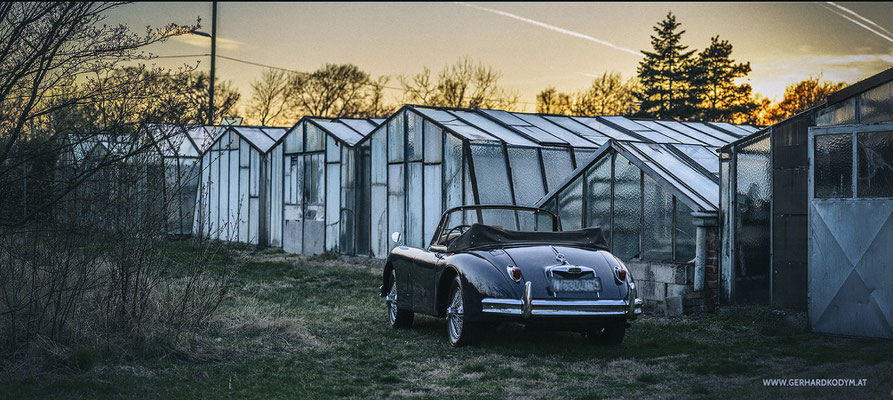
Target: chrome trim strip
(557, 307)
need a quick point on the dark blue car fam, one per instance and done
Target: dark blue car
(489, 264)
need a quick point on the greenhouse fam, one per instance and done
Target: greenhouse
(424, 160)
(181, 147)
(234, 189)
(650, 198)
(314, 201)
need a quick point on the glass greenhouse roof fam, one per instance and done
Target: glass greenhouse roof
(538, 130)
(689, 171)
(184, 140)
(261, 137)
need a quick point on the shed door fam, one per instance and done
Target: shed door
(851, 230)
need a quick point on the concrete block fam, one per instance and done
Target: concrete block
(649, 290)
(674, 290)
(673, 306)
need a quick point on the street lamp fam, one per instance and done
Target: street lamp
(213, 36)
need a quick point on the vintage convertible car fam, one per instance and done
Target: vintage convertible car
(475, 273)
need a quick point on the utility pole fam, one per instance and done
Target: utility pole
(213, 61)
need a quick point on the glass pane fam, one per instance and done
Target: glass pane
(657, 238)
(433, 143)
(414, 205)
(527, 175)
(286, 179)
(492, 177)
(502, 219)
(379, 237)
(298, 180)
(875, 154)
(396, 204)
(315, 138)
(255, 172)
(877, 104)
(833, 166)
(395, 139)
(333, 150)
(685, 233)
(570, 204)
(452, 184)
(379, 164)
(413, 136)
(332, 206)
(752, 221)
(433, 200)
(838, 114)
(627, 196)
(582, 156)
(348, 214)
(558, 166)
(598, 196)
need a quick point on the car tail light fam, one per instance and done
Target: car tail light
(621, 273)
(514, 272)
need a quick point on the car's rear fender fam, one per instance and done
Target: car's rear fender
(480, 279)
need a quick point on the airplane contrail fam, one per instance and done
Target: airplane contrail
(888, 38)
(847, 10)
(551, 27)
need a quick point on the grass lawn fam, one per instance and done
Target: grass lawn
(298, 327)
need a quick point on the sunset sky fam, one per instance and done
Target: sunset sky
(534, 45)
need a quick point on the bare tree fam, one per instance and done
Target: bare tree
(195, 88)
(463, 84)
(82, 213)
(269, 104)
(551, 101)
(337, 91)
(609, 94)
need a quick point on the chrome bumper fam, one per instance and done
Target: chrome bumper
(527, 307)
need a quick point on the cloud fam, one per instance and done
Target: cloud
(205, 42)
(551, 28)
(770, 76)
(867, 27)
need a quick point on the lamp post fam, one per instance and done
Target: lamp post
(213, 37)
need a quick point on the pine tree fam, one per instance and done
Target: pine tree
(666, 75)
(716, 73)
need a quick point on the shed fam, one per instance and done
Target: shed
(765, 201)
(315, 204)
(850, 197)
(233, 194)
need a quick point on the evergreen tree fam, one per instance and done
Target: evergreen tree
(716, 73)
(666, 75)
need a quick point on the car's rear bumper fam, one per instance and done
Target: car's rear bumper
(527, 307)
(562, 308)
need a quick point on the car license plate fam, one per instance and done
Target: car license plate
(576, 285)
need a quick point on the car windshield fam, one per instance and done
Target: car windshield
(459, 220)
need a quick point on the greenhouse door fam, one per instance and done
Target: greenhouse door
(850, 230)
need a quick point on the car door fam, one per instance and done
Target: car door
(422, 279)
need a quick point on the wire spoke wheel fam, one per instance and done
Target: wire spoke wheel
(397, 317)
(455, 313)
(391, 301)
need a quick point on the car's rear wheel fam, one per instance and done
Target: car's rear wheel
(460, 331)
(397, 317)
(608, 335)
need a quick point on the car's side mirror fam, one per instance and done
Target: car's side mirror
(396, 237)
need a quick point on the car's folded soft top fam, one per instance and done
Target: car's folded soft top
(482, 236)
